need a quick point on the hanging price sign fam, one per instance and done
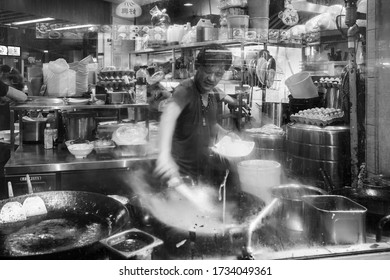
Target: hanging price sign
(128, 9)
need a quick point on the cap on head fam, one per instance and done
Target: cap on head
(214, 55)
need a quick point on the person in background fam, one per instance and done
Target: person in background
(11, 85)
(188, 125)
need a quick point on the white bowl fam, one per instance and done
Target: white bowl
(80, 150)
(77, 101)
(6, 134)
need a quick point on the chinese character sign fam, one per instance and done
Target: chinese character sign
(128, 9)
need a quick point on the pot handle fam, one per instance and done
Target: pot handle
(381, 224)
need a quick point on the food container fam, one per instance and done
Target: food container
(309, 148)
(117, 97)
(268, 146)
(33, 131)
(334, 219)
(238, 26)
(103, 146)
(257, 177)
(132, 244)
(301, 85)
(290, 210)
(79, 124)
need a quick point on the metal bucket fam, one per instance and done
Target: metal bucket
(33, 131)
(268, 147)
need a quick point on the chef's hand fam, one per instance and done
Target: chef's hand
(166, 167)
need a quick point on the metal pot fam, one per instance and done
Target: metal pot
(79, 125)
(290, 205)
(75, 220)
(33, 131)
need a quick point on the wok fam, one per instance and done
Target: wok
(75, 221)
(375, 198)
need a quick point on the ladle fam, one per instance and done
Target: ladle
(222, 197)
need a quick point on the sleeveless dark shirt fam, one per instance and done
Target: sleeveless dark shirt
(192, 137)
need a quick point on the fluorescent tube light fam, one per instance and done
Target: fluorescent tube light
(188, 4)
(75, 26)
(32, 21)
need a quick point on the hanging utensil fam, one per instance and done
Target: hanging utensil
(222, 196)
(33, 205)
(12, 211)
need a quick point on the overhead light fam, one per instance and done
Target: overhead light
(75, 26)
(188, 4)
(45, 51)
(31, 21)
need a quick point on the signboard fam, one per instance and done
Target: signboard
(3, 50)
(9, 50)
(13, 51)
(128, 9)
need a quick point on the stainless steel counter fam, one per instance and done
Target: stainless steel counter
(35, 159)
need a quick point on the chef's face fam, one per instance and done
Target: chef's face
(207, 77)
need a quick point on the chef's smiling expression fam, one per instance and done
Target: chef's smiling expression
(208, 77)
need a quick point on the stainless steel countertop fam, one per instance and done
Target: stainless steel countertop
(35, 159)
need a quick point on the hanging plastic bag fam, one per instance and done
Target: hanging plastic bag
(160, 17)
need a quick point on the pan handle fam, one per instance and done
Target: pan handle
(381, 224)
(10, 190)
(29, 185)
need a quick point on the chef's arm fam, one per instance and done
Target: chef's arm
(15, 94)
(166, 166)
(233, 101)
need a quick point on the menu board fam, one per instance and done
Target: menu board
(3, 50)
(13, 51)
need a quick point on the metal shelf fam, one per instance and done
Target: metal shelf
(235, 42)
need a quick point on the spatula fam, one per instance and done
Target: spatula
(33, 205)
(12, 211)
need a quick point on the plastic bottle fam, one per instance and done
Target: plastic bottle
(141, 85)
(48, 137)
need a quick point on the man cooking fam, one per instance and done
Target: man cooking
(188, 125)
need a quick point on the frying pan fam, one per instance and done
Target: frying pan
(75, 220)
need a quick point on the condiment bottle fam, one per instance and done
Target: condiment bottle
(48, 137)
(141, 85)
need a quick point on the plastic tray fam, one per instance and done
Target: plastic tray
(315, 121)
